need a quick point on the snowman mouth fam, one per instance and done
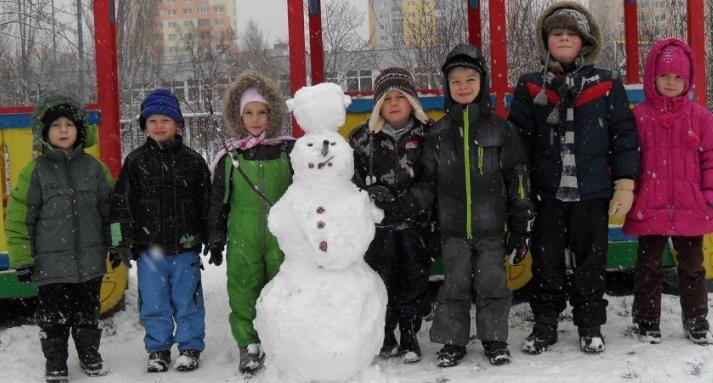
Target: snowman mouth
(322, 164)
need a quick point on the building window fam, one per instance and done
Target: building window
(359, 80)
(187, 11)
(203, 22)
(218, 21)
(202, 9)
(171, 12)
(219, 9)
(188, 23)
(172, 36)
(172, 24)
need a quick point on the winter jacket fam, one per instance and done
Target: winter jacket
(498, 192)
(58, 214)
(675, 191)
(394, 164)
(161, 199)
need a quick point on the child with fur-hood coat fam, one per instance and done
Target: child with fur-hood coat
(251, 173)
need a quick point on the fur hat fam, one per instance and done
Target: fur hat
(277, 113)
(54, 104)
(672, 59)
(160, 101)
(574, 17)
(394, 79)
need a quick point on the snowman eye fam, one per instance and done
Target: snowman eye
(310, 144)
(333, 143)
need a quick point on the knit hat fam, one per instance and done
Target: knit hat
(672, 59)
(571, 20)
(160, 101)
(462, 61)
(251, 95)
(394, 79)
(63, 110)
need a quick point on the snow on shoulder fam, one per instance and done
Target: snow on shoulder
(321, 318)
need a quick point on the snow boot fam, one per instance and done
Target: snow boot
(158, 361)
(251, 359)
(649, 332)
(55, 351)
(188, 360)
(390, 348)
(701, 336)
(87, 342)
(497, 352)
(409, 349)
(450, 355)
(591, 340)
(541, 337)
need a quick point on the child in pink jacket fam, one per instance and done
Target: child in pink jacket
(674, 194)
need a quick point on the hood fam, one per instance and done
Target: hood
(231, 104)
(650, 92)
(473, 54)
(53, 99)
(591, 45)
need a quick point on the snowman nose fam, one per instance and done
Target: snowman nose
(325, 147)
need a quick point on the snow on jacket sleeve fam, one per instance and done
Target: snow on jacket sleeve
(517, 181)
(218, 204)
(521, 114)
(706, 154)
(23, 208)
(122, 206)
(623, 141)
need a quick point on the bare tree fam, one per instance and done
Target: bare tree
(345, 50)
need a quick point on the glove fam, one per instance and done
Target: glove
(216, 253)
(623, 197)
(24, 273)
(395, 212)
(516, 247)
(380, 193)
(119, 255)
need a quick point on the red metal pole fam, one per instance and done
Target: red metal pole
(316, 48)
(107, 84)
(298, 73)
(697, 41)
(631, 32)
(474, 24)
(498, 55)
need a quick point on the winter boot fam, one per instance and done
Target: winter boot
(450, 355)
(158, 361)
(409, 349)
(251, 359)
(497, 352)
(649, 332)
(701, 336)
(591, 340)
(55, 351)
(541, 337)
(189, 360)
(87, 342)
(390, 348)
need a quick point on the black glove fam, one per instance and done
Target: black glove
(516, 247)
(24, 273)
(405, 209)
(379, 193)
(216, 253)
(119, 255)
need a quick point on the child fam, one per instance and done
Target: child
(252, 172)
(473, 207)
(57, 229)
(386, 152)
(159, 213)
(579, 131)
(674, 195)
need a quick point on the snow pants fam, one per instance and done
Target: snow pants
(649, 274)
(400, 258)
(583, 228)
(61, 306)
(472, 267)
(171, 297)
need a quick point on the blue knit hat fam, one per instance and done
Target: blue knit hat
(160, 101)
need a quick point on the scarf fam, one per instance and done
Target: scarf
(568, 87)
(245, 143)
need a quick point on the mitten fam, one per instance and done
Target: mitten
(216, 253)
(119, 255)
(516, 247)
(24, 273)
(623, 197)
(380, 193)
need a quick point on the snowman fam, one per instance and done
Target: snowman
(321, 318)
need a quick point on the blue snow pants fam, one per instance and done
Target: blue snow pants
(170, 292)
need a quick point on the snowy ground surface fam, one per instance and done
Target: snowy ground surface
(625, 360)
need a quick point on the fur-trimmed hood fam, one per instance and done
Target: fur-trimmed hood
(52, 99)
(591, 46)
(231, 104)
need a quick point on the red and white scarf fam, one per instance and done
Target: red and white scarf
(246, 143)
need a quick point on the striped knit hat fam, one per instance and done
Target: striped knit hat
(394, 79)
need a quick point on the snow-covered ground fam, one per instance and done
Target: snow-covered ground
(625, 360)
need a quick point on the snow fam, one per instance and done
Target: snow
(626, 359)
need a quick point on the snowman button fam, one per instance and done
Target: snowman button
(323, 246)
(320, 210)
(320, 224)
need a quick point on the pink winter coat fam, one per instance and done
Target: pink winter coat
(675, 187)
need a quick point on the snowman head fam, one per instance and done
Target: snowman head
(322, 158)
(320, 108)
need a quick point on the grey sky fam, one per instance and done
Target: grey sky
(271, 16)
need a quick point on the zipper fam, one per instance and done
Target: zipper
(466, 155)
(670, 170)
(75, 212)
(262, 217)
